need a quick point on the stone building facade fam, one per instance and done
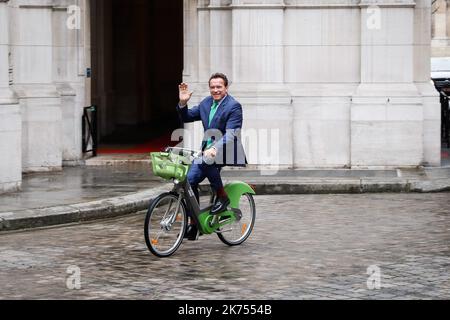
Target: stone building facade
(440, 28)
(323, 83)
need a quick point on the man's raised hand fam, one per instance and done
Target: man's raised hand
(185, 94)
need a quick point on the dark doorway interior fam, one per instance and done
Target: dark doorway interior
(137, 63)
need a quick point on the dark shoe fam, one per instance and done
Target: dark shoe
(220, 206)
(191, 232)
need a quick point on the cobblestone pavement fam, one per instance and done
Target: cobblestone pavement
(302, 247)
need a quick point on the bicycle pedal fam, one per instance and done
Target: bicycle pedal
(223, 231)
(224, 221)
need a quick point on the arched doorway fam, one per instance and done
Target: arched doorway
(137, 64)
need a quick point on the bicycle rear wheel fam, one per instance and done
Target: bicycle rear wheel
(165, 225)
(237, 232)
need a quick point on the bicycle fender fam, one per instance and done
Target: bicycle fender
(235, 190)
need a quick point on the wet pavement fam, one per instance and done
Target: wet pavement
(84, 184)
(360, 246)
(79, 185)
(115, 185)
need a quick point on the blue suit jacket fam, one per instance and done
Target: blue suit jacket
(225, 129)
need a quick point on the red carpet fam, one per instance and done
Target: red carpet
(154, 145)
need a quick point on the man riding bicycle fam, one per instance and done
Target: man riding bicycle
(222, 119)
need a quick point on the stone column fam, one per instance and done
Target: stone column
(40, 102)
(244, 41)
(220, 35)
(69, 67)
(194, 15)
(322, 50)
(10, 118)
(196, 63)
(87, 51)
(258, 75)
(430, 96)
(387, 112)
(207, 43)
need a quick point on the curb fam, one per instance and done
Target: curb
(83, 212)
(128, 204)
(355, 186)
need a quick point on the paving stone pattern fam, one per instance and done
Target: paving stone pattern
(302, 247)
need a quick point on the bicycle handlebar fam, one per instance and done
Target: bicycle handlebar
(183, 151)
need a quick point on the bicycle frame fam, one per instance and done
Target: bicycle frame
(206, 222)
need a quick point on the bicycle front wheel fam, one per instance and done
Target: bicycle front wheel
(165, 224)
(237, 232)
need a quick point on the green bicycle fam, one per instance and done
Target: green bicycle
(167, 216)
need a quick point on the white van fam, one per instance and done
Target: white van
(440, 73)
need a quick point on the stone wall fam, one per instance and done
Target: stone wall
(329, 83)
(337, 83)
(10, 118)
(42, 87)
(48, 66)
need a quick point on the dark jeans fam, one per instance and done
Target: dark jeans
(198, 172)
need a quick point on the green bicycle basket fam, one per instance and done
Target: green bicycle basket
(170, 166)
